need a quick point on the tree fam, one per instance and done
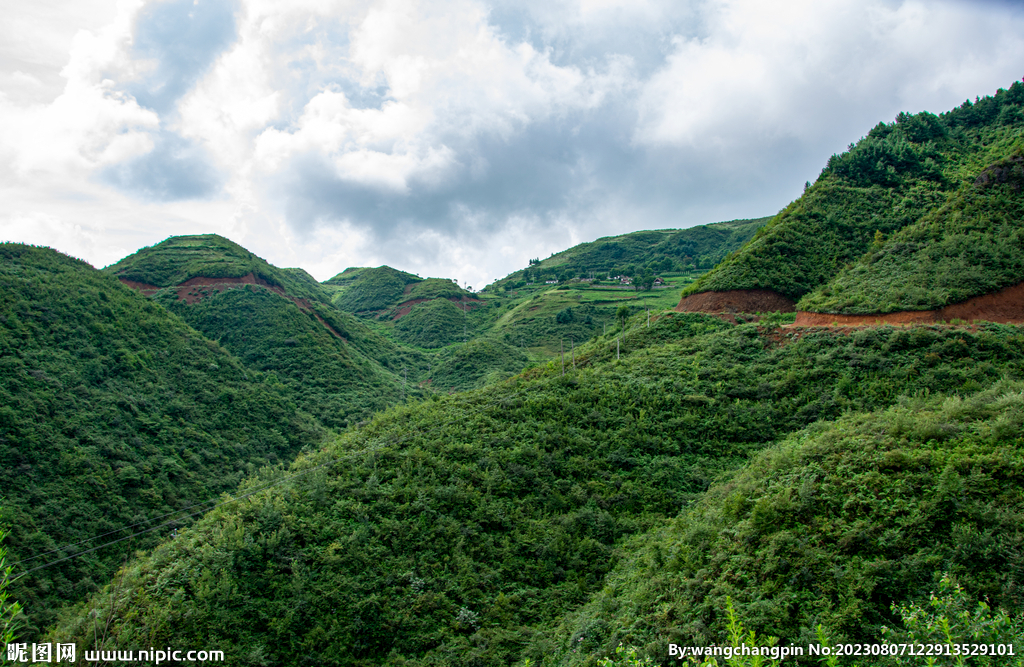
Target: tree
(621, 314)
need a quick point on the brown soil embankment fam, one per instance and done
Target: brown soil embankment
(736, 301)
(1005, 306)
(191, 291)
(145, 288)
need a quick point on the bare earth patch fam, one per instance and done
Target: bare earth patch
(736, 301)
(1005, 307)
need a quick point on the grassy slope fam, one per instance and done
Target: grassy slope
(888, 180)
(972, 245)
(113, 411)
(433, 324)
(340, 380)
(830, 527)
(461, 530)
(328, 377)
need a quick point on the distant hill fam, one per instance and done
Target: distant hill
(660, 251)
(891, 179)
(179, 259)
(113, 412)
(278, 320)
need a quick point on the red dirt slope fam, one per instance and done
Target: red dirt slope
(1005, 306)
(736, 301)
(191, 291)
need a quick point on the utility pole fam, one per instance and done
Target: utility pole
(561, 350)
(617, 347)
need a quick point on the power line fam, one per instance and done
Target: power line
(166, 523)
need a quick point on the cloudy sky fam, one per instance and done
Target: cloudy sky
(452, 138)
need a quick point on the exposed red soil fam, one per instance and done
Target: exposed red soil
(736, 301)
(191, 292)
(1005, 306)
(145, 288)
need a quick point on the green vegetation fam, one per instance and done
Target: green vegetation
(479, 362)
(114, 411)
(831, 527)
(371, 289)
(323, 367)
(10, 610)
(660, 251)
(181, 258)
(463, 529)
(952, 618)
(673, 478)
(437, 288)
(332, 365)
(890, 179)
(967, 247)
(433, 324)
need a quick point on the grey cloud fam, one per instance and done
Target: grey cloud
(175, 169)
(183, 38)
(574, 168)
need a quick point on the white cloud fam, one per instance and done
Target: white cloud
(804, 69)
(462, 137)
(92, 123)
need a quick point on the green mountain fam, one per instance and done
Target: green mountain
(523, 309)
(365, 289)
(970, 246)
(889, 180)
(275, 320)
(467, 529)
(650, 477)
(114, 412)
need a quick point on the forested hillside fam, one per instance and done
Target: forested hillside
(828, 528)
(894, 176)
(462, 530)
(370, 289)
(114, 412)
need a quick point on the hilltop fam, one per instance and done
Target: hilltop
(657, 251)
(275, 320)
